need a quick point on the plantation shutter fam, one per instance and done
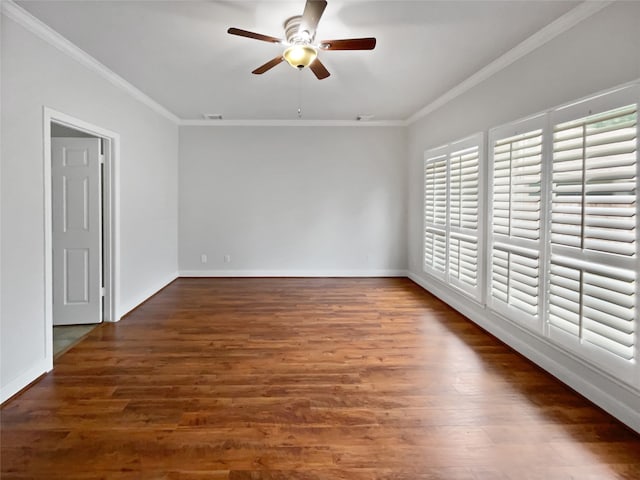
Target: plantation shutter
(593, 265)
(435, 214)
(464, 175)
(451, 211)
(516, 197)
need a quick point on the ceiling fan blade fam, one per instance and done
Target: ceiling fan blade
(349, 44)
(319, 69)
(256, 36)
(312, 12)
(268, 66)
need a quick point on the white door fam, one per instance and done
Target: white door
(77, 230)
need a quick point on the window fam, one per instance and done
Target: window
(562, 226)
(563, 234)
(516, 201)
(593, 264)
(451, 214)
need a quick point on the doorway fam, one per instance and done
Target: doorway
(80, 234)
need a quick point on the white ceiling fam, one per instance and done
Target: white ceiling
(179, 54)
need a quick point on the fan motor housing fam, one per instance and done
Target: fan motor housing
(292, 31)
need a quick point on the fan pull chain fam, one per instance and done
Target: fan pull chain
(300, 95)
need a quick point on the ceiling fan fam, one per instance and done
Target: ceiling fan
(302, 49)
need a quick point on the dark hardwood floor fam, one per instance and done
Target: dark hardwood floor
(304, 379)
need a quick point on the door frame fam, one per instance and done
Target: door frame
(110, 219)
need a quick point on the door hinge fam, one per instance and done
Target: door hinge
(103, 291)
(101, 159)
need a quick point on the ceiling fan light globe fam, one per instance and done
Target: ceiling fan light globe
(300, 56)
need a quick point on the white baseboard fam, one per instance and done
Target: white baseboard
(148, 293)
(618, 399)
(24, 379)
(293, 273)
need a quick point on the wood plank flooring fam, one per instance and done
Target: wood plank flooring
(304, 379)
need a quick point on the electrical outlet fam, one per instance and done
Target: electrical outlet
(203, 258)
(227, 259)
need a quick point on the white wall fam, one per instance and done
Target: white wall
(599, 53)
(292, 200)
(35, 74)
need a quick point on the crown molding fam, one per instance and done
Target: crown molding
(291, 123)
(53, 38)
(542, 36)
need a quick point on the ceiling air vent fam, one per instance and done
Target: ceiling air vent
(212, 116)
